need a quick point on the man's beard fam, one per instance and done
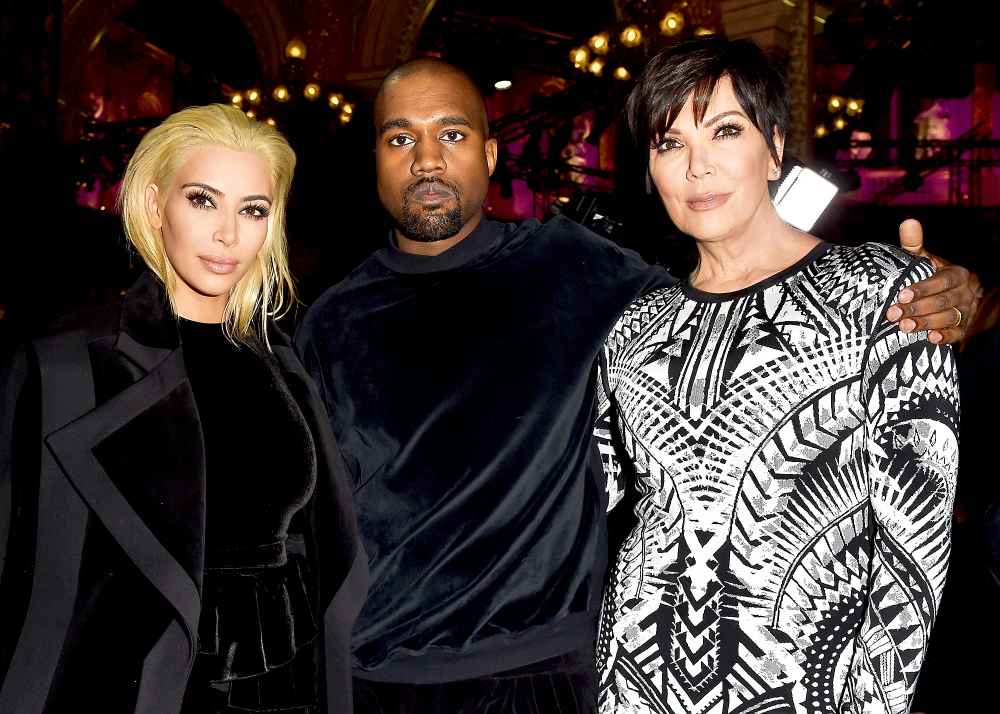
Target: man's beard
(427, 227)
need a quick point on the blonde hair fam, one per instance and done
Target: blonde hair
(267, 290)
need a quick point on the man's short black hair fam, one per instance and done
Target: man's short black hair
(695, 67)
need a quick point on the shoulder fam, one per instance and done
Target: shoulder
(636, 318)
(871, 271)
(338, 297)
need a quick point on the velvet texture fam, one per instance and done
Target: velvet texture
(461, 388)
(136, 465)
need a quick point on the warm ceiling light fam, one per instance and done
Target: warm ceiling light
(631, 36)
(335, 99)
(579, 57)
(622, 74)
(237, 99)
(271, 121)
(672, 23)
(311, 91)
(503, 84)
(821, 131)
(854, 107)
(251, 113)
(347, 109)
(596, 67)
(253, 96)
(281, 93)
(839, 123)
(295, 49)
(835, 104)
(599, 43)
(344, 118)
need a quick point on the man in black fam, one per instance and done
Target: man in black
(458, 365)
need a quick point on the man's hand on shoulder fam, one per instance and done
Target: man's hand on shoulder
(944, 304)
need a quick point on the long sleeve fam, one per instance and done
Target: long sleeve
(912, 408)
(604, 436)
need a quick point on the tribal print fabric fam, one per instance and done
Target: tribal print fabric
(795, 458)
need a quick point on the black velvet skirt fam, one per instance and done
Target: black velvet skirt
(256, 643)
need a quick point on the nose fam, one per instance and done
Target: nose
(226, 232)
(428, 159)
(699, 163)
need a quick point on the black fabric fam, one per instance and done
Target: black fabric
(461, 388)
(566, 684)
(258, 451)
(135, 465)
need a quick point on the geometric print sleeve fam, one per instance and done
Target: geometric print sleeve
(604, 429)
(910, 387)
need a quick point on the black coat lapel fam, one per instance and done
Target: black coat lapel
(340, 561)
(124, 458)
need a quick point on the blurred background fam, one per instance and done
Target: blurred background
(896, 99)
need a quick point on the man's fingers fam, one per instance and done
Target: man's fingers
(942, 281)
(911, 237)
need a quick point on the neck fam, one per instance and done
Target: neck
(201, 308)
(431, 248)
(764, 246)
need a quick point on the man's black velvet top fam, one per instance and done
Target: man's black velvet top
(461, 388)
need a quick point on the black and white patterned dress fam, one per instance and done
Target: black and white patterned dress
(795, 459)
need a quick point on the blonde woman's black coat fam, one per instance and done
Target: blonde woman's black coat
(102, 519)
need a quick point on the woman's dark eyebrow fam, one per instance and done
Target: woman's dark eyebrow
(220, 194)
(711, 121)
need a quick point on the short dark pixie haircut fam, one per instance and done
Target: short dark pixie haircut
(696, 66)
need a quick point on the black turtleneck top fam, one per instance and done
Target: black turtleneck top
(461, 388)
(259, 458)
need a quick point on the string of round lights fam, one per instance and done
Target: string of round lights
(627, 46)
(839, 107)
(258, 103)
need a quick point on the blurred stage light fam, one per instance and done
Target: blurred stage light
(335, 99)
(348, 109)
(271, 121)
(839, 123)
(631, 36)
(821, 131)
(281, 93)
(253, 96)
(579, 57)
(622, 74)
(672, 23)
(855, 107)
(835, 104)
(596, 67)
(237, 99)
(503, 84)
(251, 114)
(599, 43)
(311, 91)
(295, 49)
(704, 31)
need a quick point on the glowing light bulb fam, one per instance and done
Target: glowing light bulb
(672, 23)
(311, 91)
(622, 74)
(295, 49)
(335, 99)
(237, 99)
(579, 57)
(253, 96)
(835, 103)
(631, 36)
(596, 67)
(281, 93)
(599, 43)
(503, 84)
(821, 131)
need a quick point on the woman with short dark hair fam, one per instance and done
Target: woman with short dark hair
(795, 454)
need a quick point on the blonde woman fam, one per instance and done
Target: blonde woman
(175, 526)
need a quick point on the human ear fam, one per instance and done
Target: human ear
(153, 206)
(774, 167)
(492, 150)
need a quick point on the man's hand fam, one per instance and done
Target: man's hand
(929, 304)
